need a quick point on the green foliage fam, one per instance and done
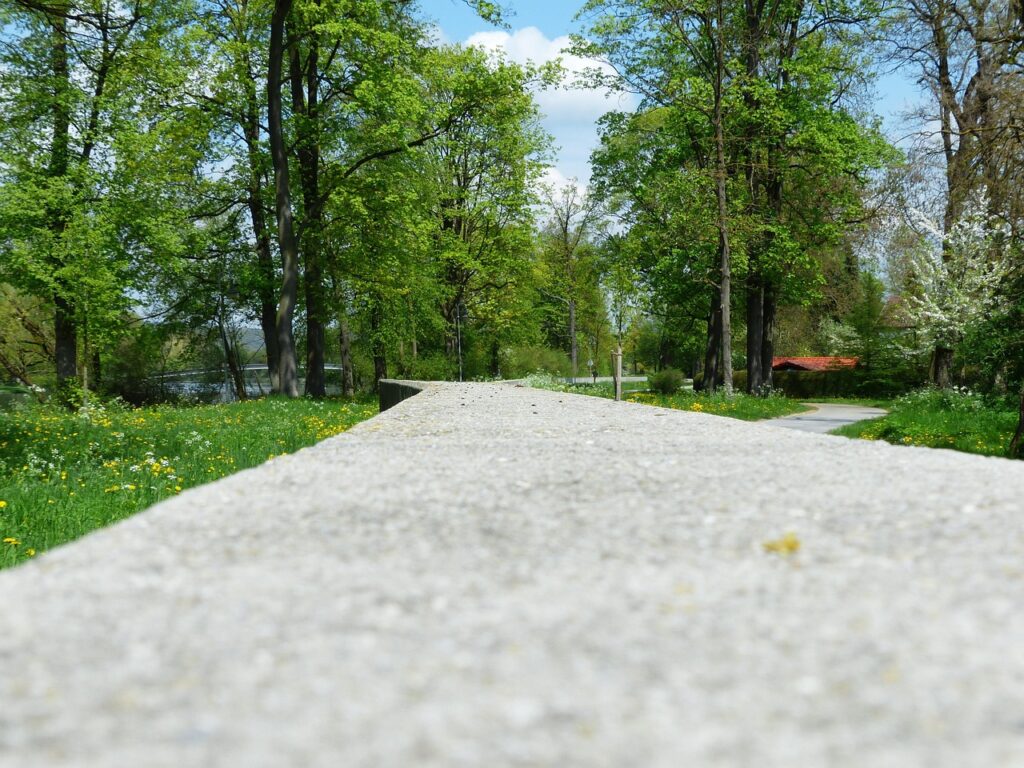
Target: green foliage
(958, 419)
(541, 380)
(739, 379)
(26, 338)
(133, 370)
(517, 362)
(807, 385)
(811, 385)
(433, 367)
(738, 406)
(666, 381)
(64, 474)
(798, 155)
(91, 160)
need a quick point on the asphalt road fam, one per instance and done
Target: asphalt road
(825, 417)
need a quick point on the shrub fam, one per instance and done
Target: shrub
(739, 380)
(953, 400)
(432, 367)
(807, 385)
(517, 362)
(542, 380)
(666, 381)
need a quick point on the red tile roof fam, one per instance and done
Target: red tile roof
(813, 363)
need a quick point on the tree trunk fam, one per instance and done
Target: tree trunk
(64, 320)
(347, 377)
(1016, 448)
(774, 190)
(755, 331)
(288, 365)
(65, 342)
(714, 345)
(942, 367)
(268, 324)
(316, 342)
(264, 257)
(380, 368)
(574, 351)
(768, 336)
(724, 253)
(231, 358)
(752, 163)
(495, 359)
(257, 214)
(380, 361)
(412, 328)
(305, 80)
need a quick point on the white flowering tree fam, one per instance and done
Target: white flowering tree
(957, 276)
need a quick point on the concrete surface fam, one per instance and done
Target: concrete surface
(825, 417)
(493, 576)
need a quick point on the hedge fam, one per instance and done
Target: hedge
(840, 383)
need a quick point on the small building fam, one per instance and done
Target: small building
(814, 363)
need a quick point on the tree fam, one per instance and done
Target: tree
(967, 57)
(76, 81)
(287, 362)
(751, 99)
(234, 33)
(483, 172)
(569, 255)
(957, 275)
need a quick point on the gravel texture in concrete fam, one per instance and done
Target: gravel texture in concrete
(496, 576)
(825, 417)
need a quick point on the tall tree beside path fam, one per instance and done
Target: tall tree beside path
(357, 96)
(753, 100)
(967, 55)
(569, 254)
(235, 33)
(287, 372)
(483, 172)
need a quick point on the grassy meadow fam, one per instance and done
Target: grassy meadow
(957, 419)
(739, 406)
(64, 474)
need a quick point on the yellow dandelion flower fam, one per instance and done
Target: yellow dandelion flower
(30, 552)
(789, 544)
(12, 541)
(3, 504)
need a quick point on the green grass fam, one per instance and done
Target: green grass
(958, 420)
(64, 474)
(739, 406)
(603, 388)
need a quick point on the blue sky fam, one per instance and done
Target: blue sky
(537, 31)
(552, 17)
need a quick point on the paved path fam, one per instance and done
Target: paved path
(493, 576)
(825, 417)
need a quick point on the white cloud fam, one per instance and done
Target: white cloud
(555, 179)
(570, 113)
(436, 35)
